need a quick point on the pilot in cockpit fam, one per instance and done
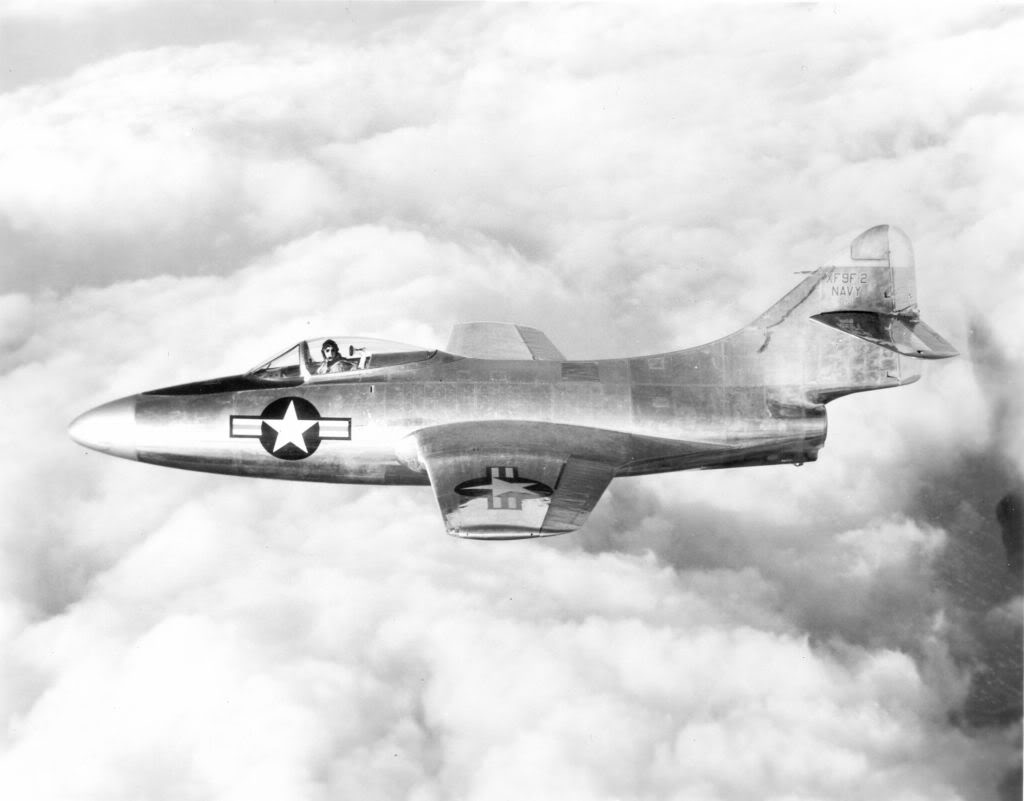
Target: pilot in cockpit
(333, 361)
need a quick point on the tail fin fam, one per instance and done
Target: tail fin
(824, 335)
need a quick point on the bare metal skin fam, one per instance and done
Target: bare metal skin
(518, 441)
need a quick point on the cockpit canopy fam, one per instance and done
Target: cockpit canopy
(333, 356)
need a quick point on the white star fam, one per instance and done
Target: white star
(290, 429)
(501, 487)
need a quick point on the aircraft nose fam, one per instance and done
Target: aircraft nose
(109, 428)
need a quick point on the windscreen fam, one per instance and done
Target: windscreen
(282, 366)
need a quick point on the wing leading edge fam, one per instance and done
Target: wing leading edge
(501, 341)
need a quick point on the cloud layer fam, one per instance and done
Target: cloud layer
(180, 206)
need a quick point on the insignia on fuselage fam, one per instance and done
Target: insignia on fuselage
(290, 428)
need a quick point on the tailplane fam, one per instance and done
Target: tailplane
(904, 334)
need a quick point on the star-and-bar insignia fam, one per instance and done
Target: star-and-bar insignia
(503, 488)
(290, 428)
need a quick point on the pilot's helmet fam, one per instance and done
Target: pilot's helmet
(332, 344)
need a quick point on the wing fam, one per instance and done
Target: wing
(510, 480)
(501, 341)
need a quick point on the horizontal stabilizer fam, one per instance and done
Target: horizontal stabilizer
(904, 334)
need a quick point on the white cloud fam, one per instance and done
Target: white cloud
(62, 10)
(388, 654)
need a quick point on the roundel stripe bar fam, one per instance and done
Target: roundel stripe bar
(335, 428)
(290, 428)
(246, 426)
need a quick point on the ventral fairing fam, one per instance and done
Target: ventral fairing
(518, 441)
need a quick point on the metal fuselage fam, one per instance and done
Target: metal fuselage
(651, 411)
(524, 445)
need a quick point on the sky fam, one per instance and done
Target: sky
(186, 189)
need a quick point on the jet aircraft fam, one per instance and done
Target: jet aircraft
(518, 441)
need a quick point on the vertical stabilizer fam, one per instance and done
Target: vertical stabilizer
(830, 334)
(866, 290)
(879, 269)
(875, 273)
